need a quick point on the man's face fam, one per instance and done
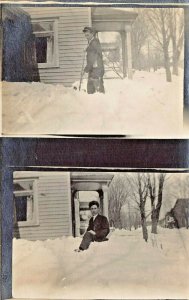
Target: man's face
(94, 210)
(88, 35)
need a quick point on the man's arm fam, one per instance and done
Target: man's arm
(104, 230)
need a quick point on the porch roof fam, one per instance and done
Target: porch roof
(112, 19)
(90, 181)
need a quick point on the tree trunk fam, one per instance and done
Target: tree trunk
(167, 64)
(175, 57)
(165, 47)
(143, 223)
(154, 223)
(144, 229)
(117, 223)
(175, 67)
(156, 210)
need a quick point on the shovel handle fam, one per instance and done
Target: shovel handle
(82, 73)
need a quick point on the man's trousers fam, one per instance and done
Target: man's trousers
(88, 238)
(95, 85)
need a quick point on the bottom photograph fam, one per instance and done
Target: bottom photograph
(101, 234)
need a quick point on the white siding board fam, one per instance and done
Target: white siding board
(54, 222)
(58, 11)
(74, 32)
(54, 217)
(70, 48)
(55, 182)
(52, 199)
(53, 191)
(42, 236)
(60, 71)
(52, 209)
(72, 40)
(68, 55)
(49, 199)
(54, 178)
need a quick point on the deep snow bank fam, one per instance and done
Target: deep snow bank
(123, 267)
(146, 105)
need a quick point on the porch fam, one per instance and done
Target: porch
(88, 182)
(117, 20)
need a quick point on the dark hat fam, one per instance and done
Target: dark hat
(90, 29)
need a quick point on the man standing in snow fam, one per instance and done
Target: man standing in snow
(97, 230)
(95, 65)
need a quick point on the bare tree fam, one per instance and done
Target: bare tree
(155, 185)
(130, 216)
(118, 196)
(160, 33)
(139, 37)
(176, 24)
(139, 191)
(179, 188)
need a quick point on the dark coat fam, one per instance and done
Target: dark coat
(95, 65)
(100, 226)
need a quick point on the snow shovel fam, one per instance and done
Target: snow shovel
(82, 73)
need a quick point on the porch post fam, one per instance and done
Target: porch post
(100, 193)
(124, 54)
(129, 51)
(77, 217)
(105, 200)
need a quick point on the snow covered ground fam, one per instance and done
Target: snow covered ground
(146, 105)
(123, 267)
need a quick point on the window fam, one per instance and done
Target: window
(46, 41)
(25, 202)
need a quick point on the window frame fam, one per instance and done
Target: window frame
(34, 193)
(54, 33)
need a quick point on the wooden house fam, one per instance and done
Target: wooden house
(60, 42)
(47, 204)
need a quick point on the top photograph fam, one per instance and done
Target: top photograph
(94, 70)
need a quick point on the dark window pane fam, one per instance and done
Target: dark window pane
(41, 49)
(21, 208)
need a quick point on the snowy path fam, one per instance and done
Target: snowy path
(146, 105)
(123, 267)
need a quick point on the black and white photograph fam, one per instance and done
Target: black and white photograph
(94, 197)
(93, 70)
(100, 234)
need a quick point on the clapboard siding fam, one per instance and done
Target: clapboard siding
(67, 12)
(54, 209)
(71, 41)
(43, 236)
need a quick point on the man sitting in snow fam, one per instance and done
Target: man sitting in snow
(95, 65)
(97, 230)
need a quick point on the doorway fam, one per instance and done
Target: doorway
(82, 212)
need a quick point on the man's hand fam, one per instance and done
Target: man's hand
(86, 69)
(92, 232)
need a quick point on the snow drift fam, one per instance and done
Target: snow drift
(123, 267)
(146, 105)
